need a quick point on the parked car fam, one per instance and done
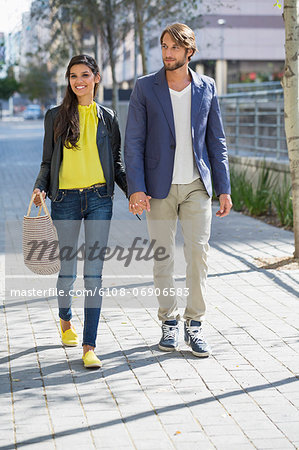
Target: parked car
(32, 112)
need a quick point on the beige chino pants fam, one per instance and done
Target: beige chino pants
(192, 205)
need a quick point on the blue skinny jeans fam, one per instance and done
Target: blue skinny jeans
(94, 206)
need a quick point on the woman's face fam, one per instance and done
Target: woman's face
(82, 82)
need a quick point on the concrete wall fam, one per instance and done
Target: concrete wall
(253, 166)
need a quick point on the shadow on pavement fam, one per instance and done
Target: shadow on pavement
(268, 274)
(134, 417)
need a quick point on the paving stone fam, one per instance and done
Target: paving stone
(231, 441)
(290, 429)
(272, 443)
(153, 443)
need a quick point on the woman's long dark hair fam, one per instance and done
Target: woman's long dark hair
(67, 121)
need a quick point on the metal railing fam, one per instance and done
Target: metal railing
(254, 123)
(251, 87)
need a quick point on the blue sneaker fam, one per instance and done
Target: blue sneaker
(195, 339)
(170, 336)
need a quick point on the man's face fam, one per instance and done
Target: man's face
(174, 56)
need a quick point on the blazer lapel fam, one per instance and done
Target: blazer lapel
(162, 92)
(197, 91)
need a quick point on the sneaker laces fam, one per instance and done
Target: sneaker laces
(169, 331)
(196, 334)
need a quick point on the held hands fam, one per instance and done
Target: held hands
(225, 205)
(37, 200)
(139, 201)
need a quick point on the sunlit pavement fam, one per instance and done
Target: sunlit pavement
(244, 396)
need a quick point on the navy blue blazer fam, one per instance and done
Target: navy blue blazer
(150, 136)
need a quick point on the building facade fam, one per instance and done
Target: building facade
(238, 41)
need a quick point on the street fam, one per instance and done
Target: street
(245, 396)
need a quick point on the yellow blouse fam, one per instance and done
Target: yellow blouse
(81, 167)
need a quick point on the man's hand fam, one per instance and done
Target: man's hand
(138, 202)
(225, 205)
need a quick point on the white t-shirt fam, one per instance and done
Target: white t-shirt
(185, 170)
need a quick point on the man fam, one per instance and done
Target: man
(174, 141)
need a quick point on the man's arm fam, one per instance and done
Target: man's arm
(134, 152)
(216, 147)
(135, 140)
(217, 152)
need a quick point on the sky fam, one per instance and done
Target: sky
(11, 13)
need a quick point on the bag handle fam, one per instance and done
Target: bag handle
(43, 205)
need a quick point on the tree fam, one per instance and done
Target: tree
(290, 84)
(37, 82)
(71, 19)
(114, 27)
(108, 19)
(65, 27)
(147, 13)
(8, 86)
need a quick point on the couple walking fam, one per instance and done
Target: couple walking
(174, 143)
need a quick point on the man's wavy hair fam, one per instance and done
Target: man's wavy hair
(182, 35)
(67, 121)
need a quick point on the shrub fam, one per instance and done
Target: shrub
(238, 186)
(264, 198)
(283, 204)
(258, 200)
(244, 196)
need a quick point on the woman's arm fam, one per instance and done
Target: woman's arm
(119, 170)
(43, 178)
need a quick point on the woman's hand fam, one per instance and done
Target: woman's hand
(37, 200)
(138, 202)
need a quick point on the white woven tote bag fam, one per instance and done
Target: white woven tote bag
(40, 242)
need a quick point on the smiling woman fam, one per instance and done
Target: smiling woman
(81, 162)
(83, 81)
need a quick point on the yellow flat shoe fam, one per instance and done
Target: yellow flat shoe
(91, 360)
(69, 337)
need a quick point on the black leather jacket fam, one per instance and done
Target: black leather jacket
(108, 142)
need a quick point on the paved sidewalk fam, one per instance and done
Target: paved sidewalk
(245, 396)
